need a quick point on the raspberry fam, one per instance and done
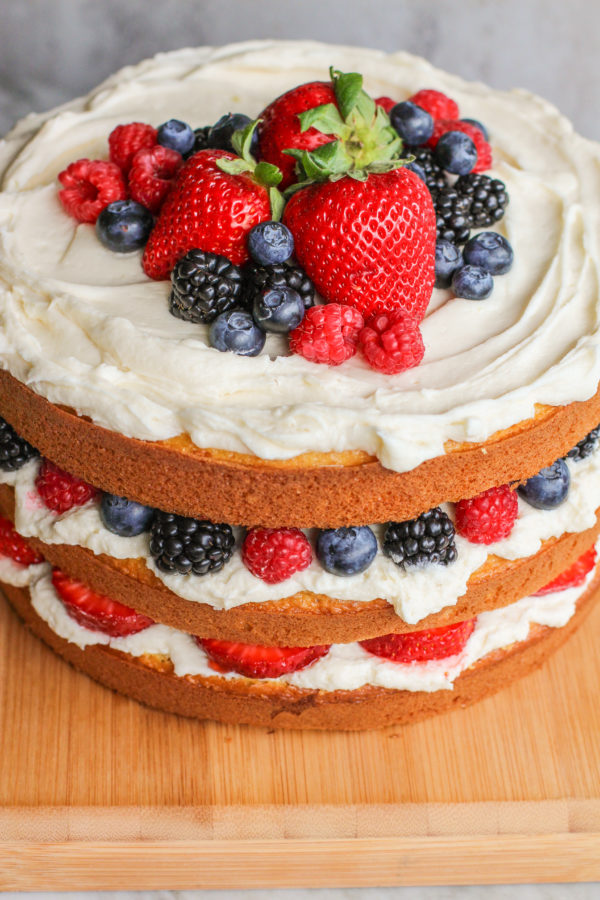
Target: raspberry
(420, 646)
(484, 151)
(88, 186)
(436, 104)
(151, 175)
(327, 334)
(386, 103)
(489, 516)
(124, 141)
(95, 611)
(15, 546)
(391, 342)
(274, 554)
(573, 576)
(61, 491)
(255, 661)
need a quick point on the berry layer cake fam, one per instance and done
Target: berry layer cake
(299, 385)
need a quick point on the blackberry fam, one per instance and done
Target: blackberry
(204, 286)
(181, 545)
(434, 174)
(14, 450)
(586, 446)
(488, 198)
(258, 279)
(200, 141)
(421, 541)
(453, 220)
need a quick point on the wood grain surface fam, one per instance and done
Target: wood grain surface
(97, 792)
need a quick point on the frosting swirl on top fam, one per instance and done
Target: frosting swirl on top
(84, 327)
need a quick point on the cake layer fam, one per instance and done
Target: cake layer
(281, 440)
(319, 490)
(150, 678)
(313, 605)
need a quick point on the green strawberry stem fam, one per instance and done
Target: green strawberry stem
(263, 172)
(366, 142)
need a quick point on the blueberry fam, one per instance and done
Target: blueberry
(176, 135)
(346, 551)
(472, 283)
(413, 124)
(549, 488)
(456, 153)
(448, 258)
(478, 125)
(124, 226)
(125, 517)
(418, 170)
(270, 243)
(220, 134)
(490, 251)
(236, 331)
(278, 309)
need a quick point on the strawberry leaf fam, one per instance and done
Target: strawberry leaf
(277, 203)
(348, 88)
(267, 174)
(234, 166)
(324, 118)
(241, 141)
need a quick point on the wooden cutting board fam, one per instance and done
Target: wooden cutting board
(97, 792)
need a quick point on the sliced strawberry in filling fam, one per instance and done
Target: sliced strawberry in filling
(95, 611)
(573, 576)
(16, 547)
(420, 646)
(256, 661)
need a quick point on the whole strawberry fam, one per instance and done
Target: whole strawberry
(216, 199)
(364, 225)
(279, 126)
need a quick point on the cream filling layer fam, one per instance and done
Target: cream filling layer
(84, 327)
(414, 593)
(346, 667)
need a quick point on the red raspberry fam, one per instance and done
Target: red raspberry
(420, 646)
(88, 186)
(573, 576)
(436, 104)
(255, 661)
(386, 103)
(327, 334)
(489, 516)
(274, 554)
(151, 175)
(15, 546)
(61, 491)
(484, 151)
(124, 141)
(391, 342)
(95, 611)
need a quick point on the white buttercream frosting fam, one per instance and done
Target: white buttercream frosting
(84, 327)
(414, 593)
(346, 666)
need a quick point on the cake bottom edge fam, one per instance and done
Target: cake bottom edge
(252, 703)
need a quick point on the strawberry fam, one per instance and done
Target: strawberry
(214, 202)
(16, 547)
(255, 661)
(363, 225)
(95, 611)
(369, 244)
(573, 576)
(420, 646)
(279, 126)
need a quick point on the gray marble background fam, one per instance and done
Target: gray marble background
(52, 50)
